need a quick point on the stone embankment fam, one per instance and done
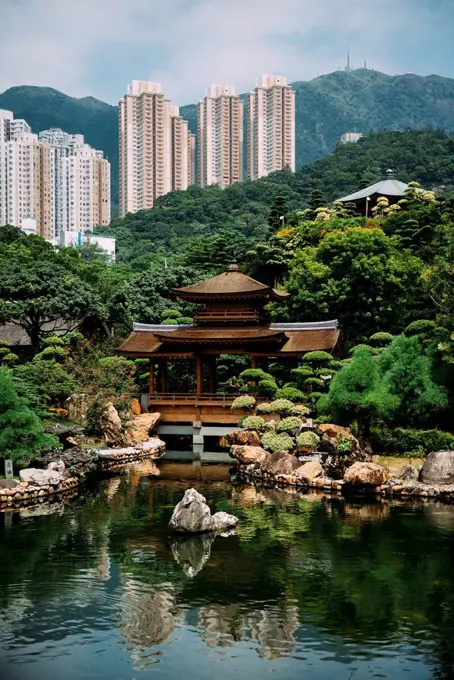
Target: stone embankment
(67, 470)
(331, 471)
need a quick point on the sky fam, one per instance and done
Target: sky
(96, 47)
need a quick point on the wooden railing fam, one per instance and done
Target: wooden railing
(227, 315)
(191, 397)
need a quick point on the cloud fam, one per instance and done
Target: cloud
(96, 46)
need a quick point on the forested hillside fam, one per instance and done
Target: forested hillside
(239, 214)
(326, 107)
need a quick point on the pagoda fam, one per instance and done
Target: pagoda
(230, 319)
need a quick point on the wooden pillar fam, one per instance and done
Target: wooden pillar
(163, 374)
(151, 382)
(213, 375)
(199, 360)
(253, 362)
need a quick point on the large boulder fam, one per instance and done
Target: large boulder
(249, 454)
(142, 426)
(366, 474)
(438, 468)
(192, 515)
(330, 435)
(77, 407)
(78, 461)
(112, 429)
(38, 477)
(240, 438)
(309, 471)
(280, 463)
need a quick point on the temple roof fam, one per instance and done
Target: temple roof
(230, 284)
(389, 186)
(286, 338)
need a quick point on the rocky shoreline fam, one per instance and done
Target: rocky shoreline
(337, 468)
(56, 481)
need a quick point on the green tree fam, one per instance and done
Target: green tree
(21, 433)
(407, 375)
(277, 214)
(357, 393)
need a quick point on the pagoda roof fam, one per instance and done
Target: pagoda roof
(286, 338)
(389, 186)
(230, 284)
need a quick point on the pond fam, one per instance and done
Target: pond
(308, 587)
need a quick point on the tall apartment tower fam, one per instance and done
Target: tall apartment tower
(26, 171)
(220, 136)
(81, 183)
(153, 148)
(183, 151)
(270, 127)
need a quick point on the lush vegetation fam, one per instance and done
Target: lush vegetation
(388, 279)
(326, 107)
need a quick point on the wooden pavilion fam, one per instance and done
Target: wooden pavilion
(230, 319)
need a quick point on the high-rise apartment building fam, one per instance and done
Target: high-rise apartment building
(154, 147)
(81, 183)
(270, 127)
(54, 180)
(220, 137)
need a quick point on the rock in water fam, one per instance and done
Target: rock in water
(192, 515)
(40, 477)
(222, 520)
(438, 468)
(249, 454)
(111, 427)
(366, 474)
(309, 471)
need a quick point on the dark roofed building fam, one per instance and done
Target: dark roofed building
(366, 199)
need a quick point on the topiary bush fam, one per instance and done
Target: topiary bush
(253, 423)
(246, 402)
(381, 339)
(290, 394)
(420, 327)
(371, 350)
(300, 410)
(264, 407)
(277, 442)
(308, 440)
(317, 357)
(288, 424)
(282, 406)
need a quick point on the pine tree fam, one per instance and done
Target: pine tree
(276, 213)
(21, 433)
(316, 200)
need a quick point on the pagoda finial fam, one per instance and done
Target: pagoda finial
(233, 266)
(389, 174)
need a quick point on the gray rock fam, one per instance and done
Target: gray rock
(192, 515)
(58, 466)
(408, 473)
(40, 477)
(222, 520)
(280, 463)
(438, 468)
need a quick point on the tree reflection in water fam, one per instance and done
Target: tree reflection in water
(361, 578)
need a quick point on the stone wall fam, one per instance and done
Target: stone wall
(108, 460)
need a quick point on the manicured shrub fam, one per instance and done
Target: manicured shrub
(308, 440)
(401, 440)
(381, 339)
(317, 357)
(288, 424)
(253, 423)
(277, 442)
(300, 410)
(264, 407)
(290, 394)
(282, 406)
(245, 402)
(371, 350)
(420, 327)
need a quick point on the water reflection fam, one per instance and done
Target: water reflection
(307, 585)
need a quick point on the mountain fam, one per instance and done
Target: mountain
(44, 107)
(363, 100)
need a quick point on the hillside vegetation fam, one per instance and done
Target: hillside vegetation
(240, 214)
(326, 107)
